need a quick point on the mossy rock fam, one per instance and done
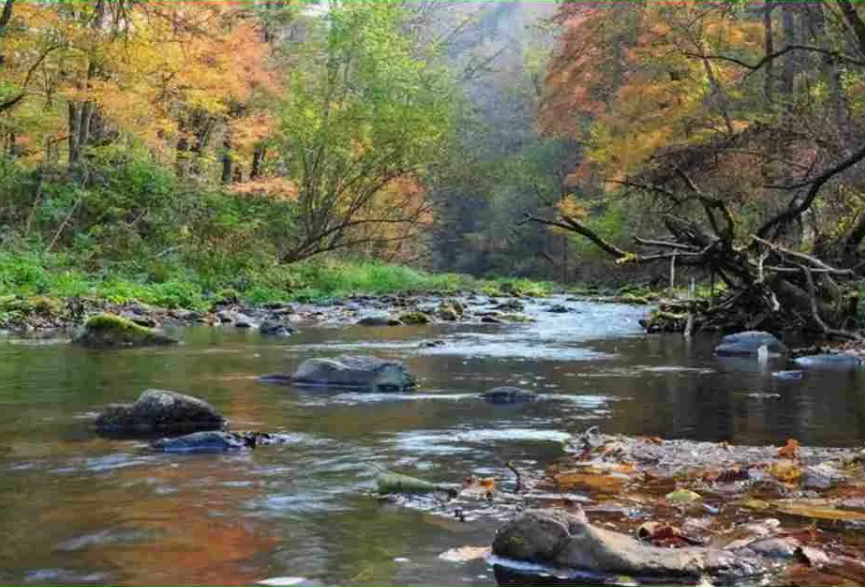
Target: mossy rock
(516, 318)
(415, 318)
(110, 331)
(42, 305)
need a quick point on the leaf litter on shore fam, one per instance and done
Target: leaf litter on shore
(802, 508)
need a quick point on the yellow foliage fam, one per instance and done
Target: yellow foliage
(570, 207)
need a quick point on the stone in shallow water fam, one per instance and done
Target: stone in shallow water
(110, 331)
(567, 540)
(355, 372)
(839, 362)
(378, 321)
(157, 411)
(209, 441)
(789, 375)
(275, 328)
(509, 395)
(236, 319)
(746, 344)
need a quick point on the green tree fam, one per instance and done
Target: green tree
(367, 109)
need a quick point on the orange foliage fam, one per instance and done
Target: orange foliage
(628, 79)
(144, 68)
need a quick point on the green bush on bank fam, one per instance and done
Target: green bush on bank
(133, 231)
(27, 274)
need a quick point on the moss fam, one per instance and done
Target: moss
(109, 330)
(414, 318)
(516, 318)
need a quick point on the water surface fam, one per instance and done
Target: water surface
(78, 508)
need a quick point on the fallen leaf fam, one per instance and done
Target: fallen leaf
(727, 476)
(652, 440)
(785, 471)
(757, 504)
(465, 554)
(820, 512)
(488, 483)
(664, 535)
(683, 496)
(590, 481)
(790, 450)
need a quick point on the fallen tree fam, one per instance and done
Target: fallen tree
(769, 284)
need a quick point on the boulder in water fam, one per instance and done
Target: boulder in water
(362, 373)
(236, 319)
(512, 305)
(275, 328)
(509, 395)
(158, 411)
(747, 344)
(378, 321)
(563, 539)
(206, 442)
(415, 318)
(839, 362)
(110, 331)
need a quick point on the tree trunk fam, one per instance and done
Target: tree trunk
(227, 158)
(769, 48)
(790, 62)
(855, 22)
(257, 161)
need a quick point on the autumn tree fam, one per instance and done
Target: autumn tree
(713, 119)
(367, 109)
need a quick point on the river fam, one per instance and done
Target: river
(76, 508)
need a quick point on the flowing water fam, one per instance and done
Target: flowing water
(78, 508)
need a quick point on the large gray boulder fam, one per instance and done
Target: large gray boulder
(158, 411)
(362, 373)
(839, 362)
(747, 344)
(562, 539)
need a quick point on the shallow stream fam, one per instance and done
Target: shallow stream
(75, 508)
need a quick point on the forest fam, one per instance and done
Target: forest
(432, 292)
(173, 150)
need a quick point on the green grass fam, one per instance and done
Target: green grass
(30, 275)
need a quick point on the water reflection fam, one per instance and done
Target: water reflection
(80, 509)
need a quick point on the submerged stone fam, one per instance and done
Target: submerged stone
(508, 395)
(839, 362)
(110, 331)
(789, 375)
(211, 441)
(275, 328)
(158, 411)
(362, 373)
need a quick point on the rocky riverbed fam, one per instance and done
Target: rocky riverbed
(572, 405)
